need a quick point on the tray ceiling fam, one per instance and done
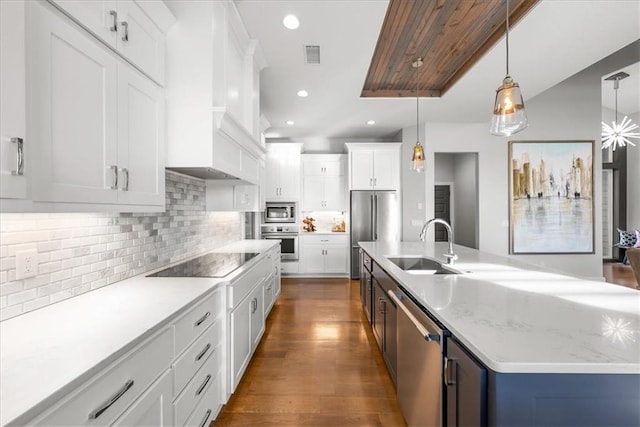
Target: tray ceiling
(450, 36)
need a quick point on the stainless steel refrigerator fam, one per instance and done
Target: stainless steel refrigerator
(375, 216)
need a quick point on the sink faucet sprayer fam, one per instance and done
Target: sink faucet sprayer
(451, 257)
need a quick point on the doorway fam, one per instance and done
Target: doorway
(459, 173)
(442, 210)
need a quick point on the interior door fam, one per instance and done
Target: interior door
(442, 210)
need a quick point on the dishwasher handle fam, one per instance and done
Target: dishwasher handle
(428, 336)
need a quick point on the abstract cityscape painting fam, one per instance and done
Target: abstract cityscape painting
(551, 197)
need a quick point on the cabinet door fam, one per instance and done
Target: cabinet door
(361, 170)
(465, 382)
(333, 167)
(257, 316)
(386, 169)
(97, 16)
(140, 139)
(269, 293)
(312, 258)
(312, 165)
(334, 193)
(72, 117)
(313, 193)
(290, 177)
(12, 102)
(272, 181)
(336, 259)
(240, 340)
(140, 41)
(377, 312)
(153, 408)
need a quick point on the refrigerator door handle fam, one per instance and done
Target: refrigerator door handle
(375, 217)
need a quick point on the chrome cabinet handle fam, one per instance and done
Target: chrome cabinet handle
(428, 336)
(446, 372)
(125, 36)
(204, 384)
(370, 182)
(203, 352)
(375, 181)
(19, 157)
(106, 405)
(206, 418)
(114, 169)
(126, 179)
(202, 319)
(114, 23)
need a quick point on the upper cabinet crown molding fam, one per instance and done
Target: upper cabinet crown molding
(213, 93)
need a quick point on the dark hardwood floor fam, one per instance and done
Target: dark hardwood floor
(317, 365)
(619, 274)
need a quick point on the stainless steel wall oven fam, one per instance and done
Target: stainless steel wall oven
(287, 234)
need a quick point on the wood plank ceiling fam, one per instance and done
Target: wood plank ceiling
(450, 36)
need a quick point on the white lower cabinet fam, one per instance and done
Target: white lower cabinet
(105, 398)
(324, 254)
(153, 408)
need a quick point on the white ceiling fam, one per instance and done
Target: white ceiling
(555, 40)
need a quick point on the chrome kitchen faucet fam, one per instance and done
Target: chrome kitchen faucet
(451, 257)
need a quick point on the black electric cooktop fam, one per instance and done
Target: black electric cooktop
(214, 264)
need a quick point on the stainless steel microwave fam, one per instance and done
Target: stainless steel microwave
(279, 212)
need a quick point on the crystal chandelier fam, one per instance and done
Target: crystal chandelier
(618, 134)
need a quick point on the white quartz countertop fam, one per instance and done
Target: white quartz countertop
(519, 318)
(46, 353)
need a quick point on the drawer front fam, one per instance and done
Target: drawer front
(325, 239)
(119, 385)
(243, 285)
(209, 407)
(196, 320)
(367, 261)
(196, 355)
(197, 388)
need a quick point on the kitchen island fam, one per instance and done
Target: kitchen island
(556, 349)
(50, 358)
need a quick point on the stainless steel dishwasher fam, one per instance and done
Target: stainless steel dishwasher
(420, 357)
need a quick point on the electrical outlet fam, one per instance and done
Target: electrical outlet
(26, 264)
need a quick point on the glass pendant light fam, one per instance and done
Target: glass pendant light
(417, 159)
(618, 134)
(509, 116)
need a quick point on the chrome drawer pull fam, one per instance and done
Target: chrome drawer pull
(206, 418)
(95, 414)
(114, 169)
(203, 352)
(202, 319)
(125, 37)
(125, 171)
(204, 384)
(19, 157)
(114, 26)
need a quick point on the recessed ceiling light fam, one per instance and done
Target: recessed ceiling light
(371, 122)
(303, 93)
(291, 22)
(290, 122)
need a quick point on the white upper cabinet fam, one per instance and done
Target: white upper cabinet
(97, 123)
(13, 183)
(213, 93)
(323, 183)
(374, 166)
(283, 172)
(125, 27)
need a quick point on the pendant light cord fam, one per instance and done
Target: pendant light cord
(616, 84)
(417, 112)
(507, 37)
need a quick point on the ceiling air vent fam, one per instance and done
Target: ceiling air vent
(312, 54)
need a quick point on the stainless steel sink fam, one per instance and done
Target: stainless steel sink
(415, 265)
